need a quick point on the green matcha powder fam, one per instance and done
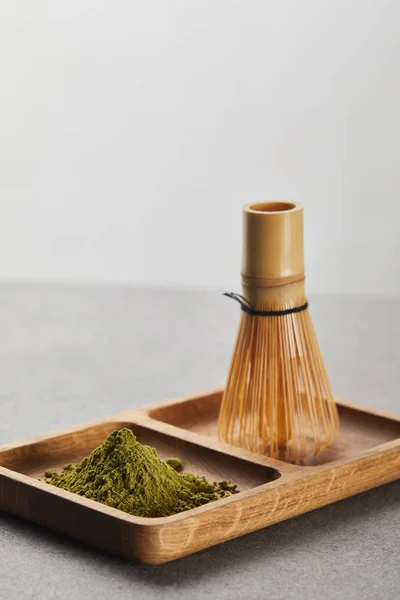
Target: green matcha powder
(127, 475)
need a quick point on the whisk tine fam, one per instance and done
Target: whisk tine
(284, 407)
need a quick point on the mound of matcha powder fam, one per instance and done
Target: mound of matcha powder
(127, 475)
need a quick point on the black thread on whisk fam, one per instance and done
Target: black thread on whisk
(249, 308)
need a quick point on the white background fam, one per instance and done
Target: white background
(131, 133)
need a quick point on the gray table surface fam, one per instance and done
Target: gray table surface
(73, 353)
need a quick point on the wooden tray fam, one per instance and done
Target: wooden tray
(366, 454)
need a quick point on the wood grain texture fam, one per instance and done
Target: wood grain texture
(367, 454)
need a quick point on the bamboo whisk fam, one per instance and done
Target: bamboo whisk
(277, 398)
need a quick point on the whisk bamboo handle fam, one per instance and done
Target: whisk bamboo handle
(273, 254)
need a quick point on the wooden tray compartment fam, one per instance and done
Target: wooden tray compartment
(366, 454)
(34, 458)
(360, 429)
